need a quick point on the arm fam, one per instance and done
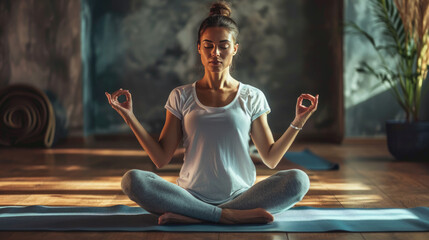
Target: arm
(272, 151)
(161, 151)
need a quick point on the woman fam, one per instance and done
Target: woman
(215, 118)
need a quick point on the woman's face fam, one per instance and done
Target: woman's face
(217, 48)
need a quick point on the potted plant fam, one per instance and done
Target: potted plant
(404, 25)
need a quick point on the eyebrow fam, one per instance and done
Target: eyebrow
(206, 40)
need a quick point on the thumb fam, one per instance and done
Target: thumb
(108, 96)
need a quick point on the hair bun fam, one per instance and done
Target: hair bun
(220, 8)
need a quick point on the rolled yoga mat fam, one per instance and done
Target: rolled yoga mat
(26, 117)
(300, 219)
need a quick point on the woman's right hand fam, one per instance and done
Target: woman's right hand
(125, 109)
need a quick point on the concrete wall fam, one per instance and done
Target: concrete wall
(149, 47)
(40, 45)
(286, 47)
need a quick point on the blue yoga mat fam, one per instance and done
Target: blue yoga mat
(300, 219)
(310, 160)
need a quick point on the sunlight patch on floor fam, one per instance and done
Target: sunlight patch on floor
(101, 152)
(340, 186)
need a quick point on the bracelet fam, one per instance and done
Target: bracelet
(297, 128)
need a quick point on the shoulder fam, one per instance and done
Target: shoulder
(182, 91)
(250, 92)
(183, 88)
(178, 98)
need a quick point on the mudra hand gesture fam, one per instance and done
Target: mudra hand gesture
(125, 109)
(302, 113)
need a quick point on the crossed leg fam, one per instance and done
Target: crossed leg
(176, 205)
(275, 194)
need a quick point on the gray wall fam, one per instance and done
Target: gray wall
(129, 47)
(40, 46)
(149, 47)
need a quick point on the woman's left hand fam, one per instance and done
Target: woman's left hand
(303, 113)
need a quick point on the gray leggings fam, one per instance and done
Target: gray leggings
(277, 193)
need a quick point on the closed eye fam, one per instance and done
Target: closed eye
(208, 45)
(224, 46)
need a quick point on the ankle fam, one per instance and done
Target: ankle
(227, 216)
(235, 216)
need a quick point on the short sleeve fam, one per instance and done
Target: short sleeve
(174, 104)
(259, 104)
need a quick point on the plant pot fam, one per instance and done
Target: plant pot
(408, 141)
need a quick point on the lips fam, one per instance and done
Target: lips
(215, 62)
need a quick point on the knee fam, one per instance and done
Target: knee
(132, 180)
(303, 181)
(128, 180)
(299, 182)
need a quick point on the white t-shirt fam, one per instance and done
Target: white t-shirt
(217, 166)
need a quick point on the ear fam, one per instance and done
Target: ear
(199, 48)
(235, 48)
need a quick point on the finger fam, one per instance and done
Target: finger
(315, 99)
(128, 96)
(315, 103)
(118, 93)
(309, 97)
(299, 101)
(302, 97)
(126, 93)
(114, 100)
(108, 97)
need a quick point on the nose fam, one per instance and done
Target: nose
(215, 51)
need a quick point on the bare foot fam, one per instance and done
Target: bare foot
(235, 216)
(176, 218)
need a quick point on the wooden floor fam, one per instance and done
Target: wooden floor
(89, 174)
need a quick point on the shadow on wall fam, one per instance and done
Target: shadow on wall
(368, 117)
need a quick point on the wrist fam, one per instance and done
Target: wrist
(129, 118)
(297, 123)
(295, 127)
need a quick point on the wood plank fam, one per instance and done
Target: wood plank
(77, 235)
(325, 236)
(6, 235)
(392, 181)
(368, 177)
(190, 236)
(155, 235)
(397, 236)
(253, 236)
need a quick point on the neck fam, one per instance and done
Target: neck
(217, 80)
